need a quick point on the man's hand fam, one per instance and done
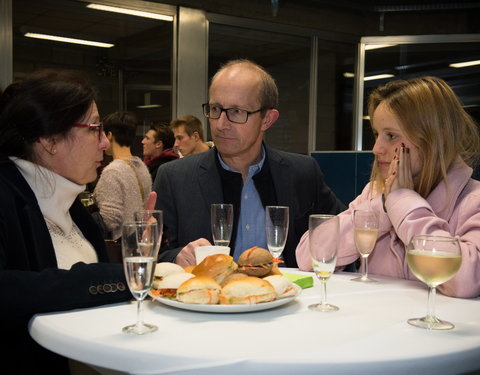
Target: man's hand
(186, 257)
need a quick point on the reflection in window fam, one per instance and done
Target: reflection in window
(404, 61)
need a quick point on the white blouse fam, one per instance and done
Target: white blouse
(55, 195)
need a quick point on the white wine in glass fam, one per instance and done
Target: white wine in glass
(139, 247)
(323, 253)
(365, 227)
(276, 228)
(434, 260)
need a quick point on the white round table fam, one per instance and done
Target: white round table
(368, 335)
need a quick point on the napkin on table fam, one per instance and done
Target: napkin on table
(303, 281)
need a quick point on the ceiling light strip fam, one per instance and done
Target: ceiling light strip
(131, 12)
(68, 40)
(465, 64)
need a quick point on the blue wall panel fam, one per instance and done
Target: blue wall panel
(346, 172)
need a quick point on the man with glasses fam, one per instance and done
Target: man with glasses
(240, 170)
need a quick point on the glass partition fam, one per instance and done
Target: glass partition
(406, 57)
(133, 73)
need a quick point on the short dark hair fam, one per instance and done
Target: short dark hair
(192, 125)
(45, 103)
(163, 133)
(123, 126)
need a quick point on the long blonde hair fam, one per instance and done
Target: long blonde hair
(433, 119)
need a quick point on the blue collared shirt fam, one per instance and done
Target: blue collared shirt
(251, 223)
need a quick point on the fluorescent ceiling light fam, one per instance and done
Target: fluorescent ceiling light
(377, 46)
(465, 64)
(370, 78)
(131, 12)
(378, 76)
(68, 40)
(147, 106)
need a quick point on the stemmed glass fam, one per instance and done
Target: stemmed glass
(276, 228)
(139, 244)
(152, 216)
(365, 224)
(222, 223)
(434, 260)
(324, 253)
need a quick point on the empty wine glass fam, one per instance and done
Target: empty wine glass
(365, 226)
(276, 229)
(434, 260)
(139, 244)
(152, 216)
(324, 253)
(222, 223)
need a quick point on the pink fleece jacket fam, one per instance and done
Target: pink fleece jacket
(451, 209)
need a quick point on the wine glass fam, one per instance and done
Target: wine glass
(324, 253)
(365, 226)
(139, 244)
(222, 223)
(152, 216)
(276, 228)
(434, 260)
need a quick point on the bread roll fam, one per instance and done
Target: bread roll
(255, 261)
(167, 287)
(217, 267)
(283, 286)
(233, 276)
(164, 269)
(199, 290)
(247, 291)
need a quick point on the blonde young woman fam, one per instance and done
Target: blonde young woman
(421, 181)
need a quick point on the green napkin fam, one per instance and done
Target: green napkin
(303, 281)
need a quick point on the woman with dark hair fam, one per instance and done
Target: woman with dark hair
(425, 148)
(52, 255)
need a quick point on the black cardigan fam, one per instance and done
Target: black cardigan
(30, 281)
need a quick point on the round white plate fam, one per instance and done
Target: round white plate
(228, 308)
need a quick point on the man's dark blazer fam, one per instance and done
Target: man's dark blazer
(187, 187)
(30, 281)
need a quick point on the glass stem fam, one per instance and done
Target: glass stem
(324, 292)
(365, 267)
(139, 313)
(431, 304)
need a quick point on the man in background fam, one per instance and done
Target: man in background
(188, 132)
(158, 147)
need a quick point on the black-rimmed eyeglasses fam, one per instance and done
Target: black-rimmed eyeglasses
(236, 115)
(93, 127)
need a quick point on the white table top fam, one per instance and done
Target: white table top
(369, 335)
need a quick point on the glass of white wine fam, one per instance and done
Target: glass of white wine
(434, 260)
(139, 245)
(365, 226)
(323, 253)
(276, 229)
(222, 223)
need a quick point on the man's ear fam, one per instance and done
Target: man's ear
(49, 144)
(196, 136)
(269, 119)
(159, 144)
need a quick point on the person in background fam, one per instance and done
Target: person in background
(425, 145)
(188, 132)
(240, 170)
(52, 254)
(125, 183)
(158, 147)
